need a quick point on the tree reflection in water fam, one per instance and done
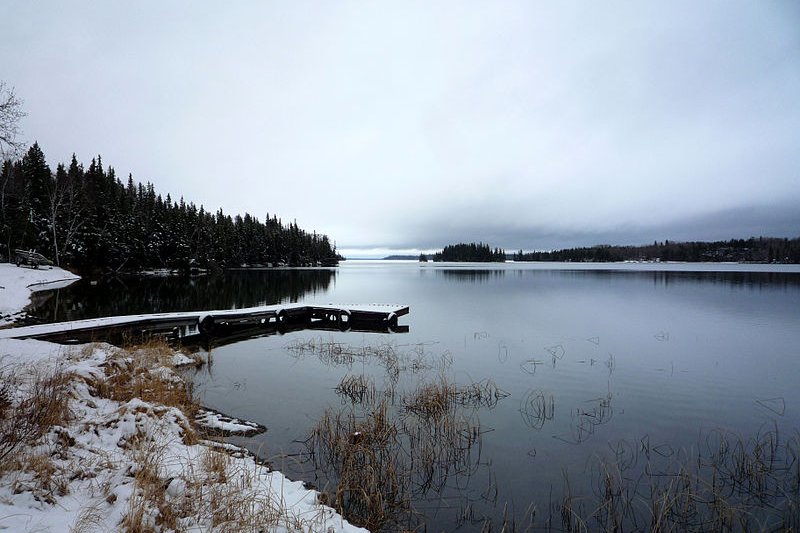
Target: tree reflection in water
(127, 295)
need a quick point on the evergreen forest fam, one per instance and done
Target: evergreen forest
(88, 220)
(472, 252)
(752, 250)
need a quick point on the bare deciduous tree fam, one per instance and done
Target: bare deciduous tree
(10, 115)
(10, 147)
(66, 214)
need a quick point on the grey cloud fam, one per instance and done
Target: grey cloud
(414, 124)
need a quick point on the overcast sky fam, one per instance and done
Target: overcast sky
(411, 125)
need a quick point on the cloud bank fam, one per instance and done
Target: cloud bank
(413, 125)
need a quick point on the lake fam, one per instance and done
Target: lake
(558, 395)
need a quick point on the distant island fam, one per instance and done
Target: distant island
(401, 258)
(752, 250)
(468, 252)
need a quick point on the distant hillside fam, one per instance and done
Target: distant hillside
(401, 258)
(752, 250)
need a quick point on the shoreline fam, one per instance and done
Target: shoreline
(115, 455)
(18, 283)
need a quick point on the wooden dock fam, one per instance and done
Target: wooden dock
(222, 326)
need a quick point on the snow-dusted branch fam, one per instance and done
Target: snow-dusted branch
(10, 115)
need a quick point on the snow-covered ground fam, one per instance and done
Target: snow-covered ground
(17, 283)
(116, 452)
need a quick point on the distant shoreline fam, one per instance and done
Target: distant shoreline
(622, 266)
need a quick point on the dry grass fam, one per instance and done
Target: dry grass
(31, 404)
(395, 359)
(432, 400)
(215, 463)
(387, 448)
(216, 493)
(200, 487)
(729, 484)
(357, 388)
(382, 459)
(379, 458)
(34, 404)
(39, 475)
(147, 505)
(147, 374)
(90, 519)
(484, 393)
(364, 454)
(215, 489)
(437, 398)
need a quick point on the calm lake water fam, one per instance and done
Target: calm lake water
(592, 364)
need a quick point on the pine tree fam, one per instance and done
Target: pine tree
(37, 178)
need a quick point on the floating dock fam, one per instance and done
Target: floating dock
(222, 325)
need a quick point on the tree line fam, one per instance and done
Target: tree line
(752, 250)
(472, 252)
(89, 220)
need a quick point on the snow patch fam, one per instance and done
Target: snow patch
(180, 359)
(221, 424)
(17, 283)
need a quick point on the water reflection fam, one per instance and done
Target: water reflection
(616, 382)
(755, 280)
(470, 275)
(536, 408)
(128, 295)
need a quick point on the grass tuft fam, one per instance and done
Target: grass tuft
(31, 404)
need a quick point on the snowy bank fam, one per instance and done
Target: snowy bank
(96, 438)
(112, 448)
(17, 284)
